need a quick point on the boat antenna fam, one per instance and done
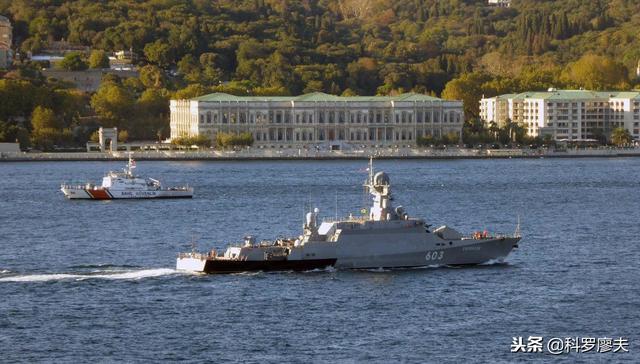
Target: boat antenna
(304, 213)
(193, 243)
(517, 232)
(336, 204)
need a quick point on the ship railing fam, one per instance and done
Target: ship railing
(178, 188)
(77, 186)
(346, 219)
(479, 235)
(194, 255)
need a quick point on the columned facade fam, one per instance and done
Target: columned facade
(318, 118)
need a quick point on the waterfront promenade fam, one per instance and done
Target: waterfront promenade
(295, 154)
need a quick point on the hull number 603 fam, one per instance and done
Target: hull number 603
(437, 255)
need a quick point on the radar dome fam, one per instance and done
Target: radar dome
(381, 179)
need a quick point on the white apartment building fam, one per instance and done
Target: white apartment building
(500, 3)
(318, 118)
(566, 114)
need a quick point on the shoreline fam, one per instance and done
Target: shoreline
(270, 154)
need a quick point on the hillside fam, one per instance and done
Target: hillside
(350, 46)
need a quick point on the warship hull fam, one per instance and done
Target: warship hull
(459, 252)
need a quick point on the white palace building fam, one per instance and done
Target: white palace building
(566, 114)
(318, 119)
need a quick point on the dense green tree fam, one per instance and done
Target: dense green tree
(191, 91)
(159, 53)
(73, 61)
(43, 118)
(621, 137)
(594, 72)
(98, 59)
(113, 103)
(200, 141)
(467, 88)
(230, 140)
(11, 133)
(152, 77)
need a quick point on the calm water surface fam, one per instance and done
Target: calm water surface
(88, 281)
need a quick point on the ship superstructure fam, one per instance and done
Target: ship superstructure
(386, 237)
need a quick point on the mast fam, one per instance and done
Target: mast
(371, 170)
(130, 166)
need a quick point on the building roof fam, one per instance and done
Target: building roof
(4, 20)
(574, 95)
(317, 97)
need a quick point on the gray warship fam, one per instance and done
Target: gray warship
(386, 237)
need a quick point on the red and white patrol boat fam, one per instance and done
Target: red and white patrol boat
(125, 185)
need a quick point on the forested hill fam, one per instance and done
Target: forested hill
(359, 46)
(457, 49)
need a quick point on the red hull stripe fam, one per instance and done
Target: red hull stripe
(99, 194)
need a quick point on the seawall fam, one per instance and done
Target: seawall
(290, 154)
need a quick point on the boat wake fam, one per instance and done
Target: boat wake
(106, 275)
(104, 266)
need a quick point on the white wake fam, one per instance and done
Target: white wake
(112, 275)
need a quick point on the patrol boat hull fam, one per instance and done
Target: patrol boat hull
(79, 193)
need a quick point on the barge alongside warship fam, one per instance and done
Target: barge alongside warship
(386, 238)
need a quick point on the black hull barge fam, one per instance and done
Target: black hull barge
(251, 257)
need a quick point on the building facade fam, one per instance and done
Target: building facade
(566, 114)
(6, 36)
(318, 118)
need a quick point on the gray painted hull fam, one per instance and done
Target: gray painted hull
(478, 253)
(417, 249)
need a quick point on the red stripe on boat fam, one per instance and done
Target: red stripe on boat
(99, 194)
